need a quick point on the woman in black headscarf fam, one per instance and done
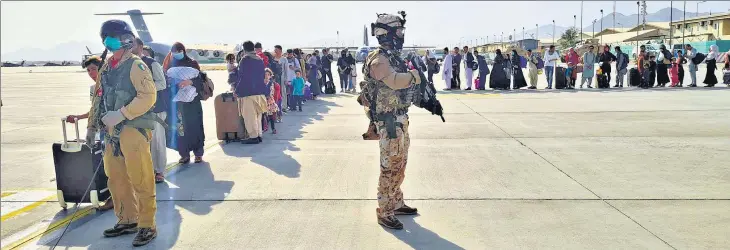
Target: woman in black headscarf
(665, 58)
(187, 126)
(498, 79)
(519, 78)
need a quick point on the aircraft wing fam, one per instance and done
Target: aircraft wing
(329, 47)
(419, 47)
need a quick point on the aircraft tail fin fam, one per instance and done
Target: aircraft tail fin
(137, 22)
(365, 37)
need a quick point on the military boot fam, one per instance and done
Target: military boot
(390, 222)
(121, 229)
(144, 236)
(405, 210)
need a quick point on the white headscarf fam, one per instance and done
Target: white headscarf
(714, 54)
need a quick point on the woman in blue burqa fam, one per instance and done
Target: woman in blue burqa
(312, 72)
(186, 128)
(498, 79)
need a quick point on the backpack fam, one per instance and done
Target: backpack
(540, 63)
(699, 58)
(437, 67)
(162, 104)
(208, 87)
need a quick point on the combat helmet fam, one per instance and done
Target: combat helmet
(119, 29)
(389, 29)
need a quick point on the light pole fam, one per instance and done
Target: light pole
(684, 19)
(537, 34)
(593, 28)
(698, 8)
(671, 27)
(574, 19)
(637, 25)
(523, 33)
(601, 26)
(553, 32)
(581, 21)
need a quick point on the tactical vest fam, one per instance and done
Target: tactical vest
(118, 92)
(387, 100)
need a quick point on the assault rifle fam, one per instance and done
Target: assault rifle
(424, 95)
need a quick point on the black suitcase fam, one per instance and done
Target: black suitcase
(634, 77)
(602, 82)
(329, 88)
(560, 82)
(726, 76)
(75, 165)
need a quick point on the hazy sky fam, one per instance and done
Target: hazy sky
(44, 24)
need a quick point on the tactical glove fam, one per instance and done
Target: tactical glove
(112, 118)
(416, 76)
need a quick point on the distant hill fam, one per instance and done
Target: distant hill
(621, 21)
(662, 15)
(68, 51)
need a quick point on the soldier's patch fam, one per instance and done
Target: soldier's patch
(141, 66)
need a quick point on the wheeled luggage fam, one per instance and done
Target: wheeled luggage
(602, 81)
(79, 168)
(634, 77)
(560, 82)
(329, 88)
(228, 121)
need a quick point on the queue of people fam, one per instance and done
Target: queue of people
(132, 101)
(653, 70)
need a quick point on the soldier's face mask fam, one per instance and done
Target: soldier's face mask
(395, 35)
(112, 43)
(400, 32)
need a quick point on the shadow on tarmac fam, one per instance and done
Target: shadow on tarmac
(419, 237)
(193, 187)
(271, 153)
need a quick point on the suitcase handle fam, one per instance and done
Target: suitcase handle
(73, 146)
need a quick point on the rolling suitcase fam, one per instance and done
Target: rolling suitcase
(726, 76)
(634, 77)
(228, 121)
(79, 168)
(560, 82)
(602, 81)
(329, 88)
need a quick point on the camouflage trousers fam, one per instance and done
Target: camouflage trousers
(393, 159)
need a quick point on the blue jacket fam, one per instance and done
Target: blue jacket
(457, 60)
(482, 62)
(250, 76)
(298, 86)
(622, 61)
(469, 60)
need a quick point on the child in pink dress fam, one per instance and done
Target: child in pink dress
(674, 74)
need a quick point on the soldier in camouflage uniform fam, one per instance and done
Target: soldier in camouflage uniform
(386, 97)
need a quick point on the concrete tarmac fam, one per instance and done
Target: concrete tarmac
(549, 169)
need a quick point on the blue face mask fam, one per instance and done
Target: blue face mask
(178, 56)
(112, 43)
